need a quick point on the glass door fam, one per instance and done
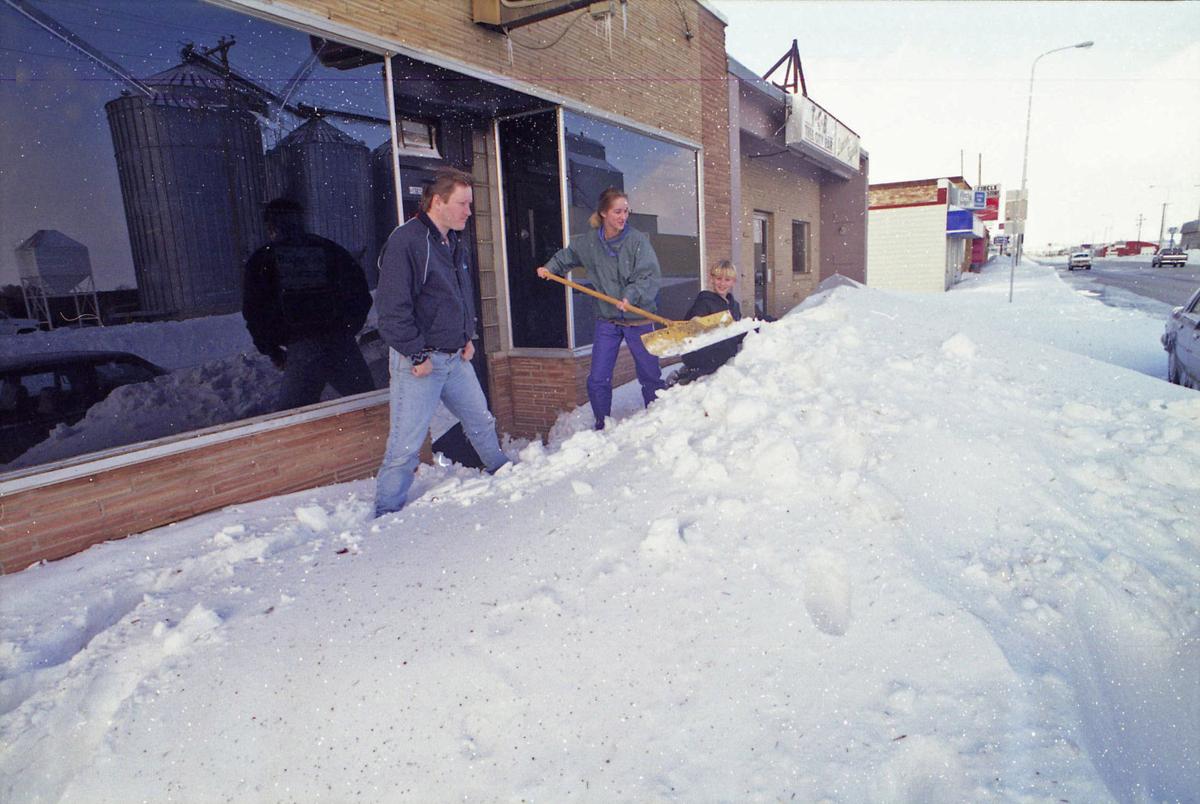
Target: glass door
(762, 267)
(531, 189)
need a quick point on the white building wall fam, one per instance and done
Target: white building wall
(906, 248)
(956, 252)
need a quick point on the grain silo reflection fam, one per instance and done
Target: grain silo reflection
(192, 173)
(328, 172)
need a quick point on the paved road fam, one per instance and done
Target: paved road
(1172, 286)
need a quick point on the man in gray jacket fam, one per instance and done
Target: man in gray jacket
(427, 318)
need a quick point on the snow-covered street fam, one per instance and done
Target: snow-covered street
(926, 548)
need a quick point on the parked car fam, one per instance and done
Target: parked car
(16, 326)
(1173, 257)
(1182, 342)
(1081, 260)
(40, 391)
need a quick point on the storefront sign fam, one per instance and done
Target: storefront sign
(811, 125)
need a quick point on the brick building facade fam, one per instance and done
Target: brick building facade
(661, 84)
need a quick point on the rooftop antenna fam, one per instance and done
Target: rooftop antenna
(793, 77)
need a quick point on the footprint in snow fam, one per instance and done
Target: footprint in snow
(827, 592)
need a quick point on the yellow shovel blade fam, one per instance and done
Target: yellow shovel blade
(673, 339)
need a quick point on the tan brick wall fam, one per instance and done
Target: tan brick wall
(487, 241)
(650, 75)
(787, 195)
(63, 518)
(530, 391)
(714, 105)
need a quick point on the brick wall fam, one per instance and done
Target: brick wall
(788, 191)
(57, 520)
(714, 112)
(534, 389)
(904, 193)
(487, 244)
(844, 225)
(650, 75)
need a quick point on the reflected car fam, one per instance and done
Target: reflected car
(17, 326)
(1182, 342)
(40, 391)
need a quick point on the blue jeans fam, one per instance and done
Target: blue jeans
(605, 346)
(314, 362)
(413, 403)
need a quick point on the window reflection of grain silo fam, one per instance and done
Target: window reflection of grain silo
(191, 167)
(329, 173)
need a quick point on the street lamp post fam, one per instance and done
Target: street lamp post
(1025, 159)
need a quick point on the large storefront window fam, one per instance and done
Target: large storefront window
(661, 181)
(137, 159)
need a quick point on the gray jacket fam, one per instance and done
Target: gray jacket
(633, 274)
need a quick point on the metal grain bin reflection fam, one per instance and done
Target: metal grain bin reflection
(327, 171)
(191, 167)
(384, 198)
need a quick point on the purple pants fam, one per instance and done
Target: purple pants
(605, 346)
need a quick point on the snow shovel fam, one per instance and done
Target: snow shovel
(672, 339)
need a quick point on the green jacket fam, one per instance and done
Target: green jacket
(633, 274)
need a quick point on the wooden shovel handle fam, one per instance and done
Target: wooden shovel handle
(666, 322)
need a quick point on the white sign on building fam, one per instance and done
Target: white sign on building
(811, 124)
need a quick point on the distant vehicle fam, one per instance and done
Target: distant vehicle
(1172, 257)
(1182, 342)
(40, 391)
(1081, 260)
(16, 326)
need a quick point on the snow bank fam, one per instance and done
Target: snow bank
(170, 344)
(903, 548)
(215, 392)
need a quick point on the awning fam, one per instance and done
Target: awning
(962, 223)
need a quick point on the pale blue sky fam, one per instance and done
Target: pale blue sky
(920, 81)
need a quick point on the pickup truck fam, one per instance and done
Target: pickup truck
(1174, 257)
(1081, 260)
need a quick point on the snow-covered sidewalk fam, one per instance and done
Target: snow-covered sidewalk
(903, 548)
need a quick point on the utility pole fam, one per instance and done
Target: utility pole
(1141, 218)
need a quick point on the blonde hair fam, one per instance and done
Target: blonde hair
(607, 199)
(723, 269)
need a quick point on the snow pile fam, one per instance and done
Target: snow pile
(216, 392)
(903, 548)
(170, 344)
